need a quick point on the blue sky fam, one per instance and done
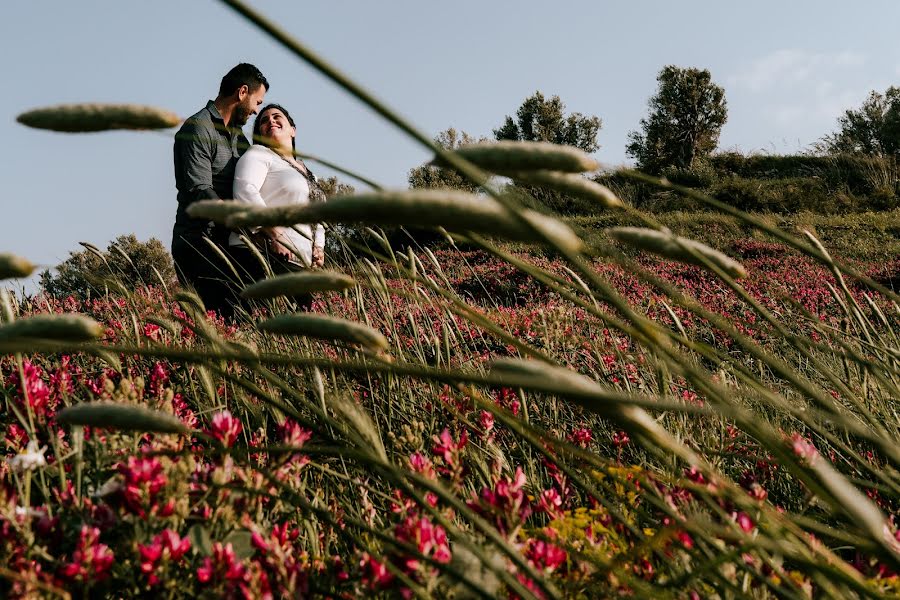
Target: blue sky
(788, 68)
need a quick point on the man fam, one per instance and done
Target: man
(207, 148)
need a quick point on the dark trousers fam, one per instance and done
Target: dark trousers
(199, 265)
(251, 270)
(219, 283)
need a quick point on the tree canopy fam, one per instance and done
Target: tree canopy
(430, 176)
(872, 129)
(332, 186)
(685, 117)
(128, 260)
(544, 120)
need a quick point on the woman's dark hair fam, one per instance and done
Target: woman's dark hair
(242, 74)
(257, 124)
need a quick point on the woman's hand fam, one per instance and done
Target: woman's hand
(318, 256)
(278, 244)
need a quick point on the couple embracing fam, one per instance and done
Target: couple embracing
(214, 160)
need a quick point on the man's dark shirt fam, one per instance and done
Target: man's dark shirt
(206, 152)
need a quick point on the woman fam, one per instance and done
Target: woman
(268, 174)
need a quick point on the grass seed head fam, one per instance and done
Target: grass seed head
(216, 210)
(85, 118)
(68, 328)
(12, 266)
(507, 156)
(572, 184)
(114, 415)
(360, 422)
(293, 284)
(452, 210)
(666, 244)
(324, 327)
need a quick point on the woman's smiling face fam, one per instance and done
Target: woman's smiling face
(274, 124)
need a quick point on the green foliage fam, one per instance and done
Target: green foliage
(686, 115)
(129, 261)
(859, 174)
(873, 129)
(332, 186)
(771, 183)
(430, 176)
(543, 120)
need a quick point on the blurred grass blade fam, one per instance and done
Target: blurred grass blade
(114, 415)
(326, 328)
(12, 266)
(217, 210)
(565, 383)
(506, 156)
(291, 284)
(453, 210)
(571, 184)
(359, 421)
(84, 118)
(69, 328)
(108, 357)
(666, 244)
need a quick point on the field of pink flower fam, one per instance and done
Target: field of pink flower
(308, 467)
(608, 412)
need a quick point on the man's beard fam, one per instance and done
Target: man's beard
(240, 116)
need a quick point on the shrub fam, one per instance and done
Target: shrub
(128, 260)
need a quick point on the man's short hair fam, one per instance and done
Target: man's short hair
(242, 74)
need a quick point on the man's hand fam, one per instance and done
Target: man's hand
(318, 256)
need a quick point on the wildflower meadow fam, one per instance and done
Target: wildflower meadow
(523, 406)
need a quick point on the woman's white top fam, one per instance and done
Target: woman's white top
(265, 179)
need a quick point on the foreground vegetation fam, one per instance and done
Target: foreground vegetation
(314, 469)
(614, 412)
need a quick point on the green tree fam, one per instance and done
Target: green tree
(873, 129)
(332, 186)
(543, 120)
(130, 261)
(430, 176)
(686, 115)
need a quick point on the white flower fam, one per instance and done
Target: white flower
(31, 459)
(27, 511)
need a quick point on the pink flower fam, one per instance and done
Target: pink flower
(694, 474)
(16, 437)
(428, 538)
(144, 479)
(420, 464)
(620, 439)
(158, 378)
(225, 428)
(486, 420)
(804, 449)
(551, 502)
(91, 561)
(544, 555)
(686, 540)
(451, 451)
(151, 331)
(166, 546)
(183, 411)
(744, 522)
(292, 434)
(374, 572)
(506, 503)
(35, 390)
(222, 564)
(581, 437)
(445, 447)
